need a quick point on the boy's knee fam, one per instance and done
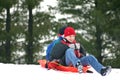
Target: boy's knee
(69, 50)
(91, 57)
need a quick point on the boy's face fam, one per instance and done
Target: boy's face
(70, 38)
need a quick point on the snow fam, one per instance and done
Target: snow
(36, 72)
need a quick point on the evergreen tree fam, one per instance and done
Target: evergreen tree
(29, 49)
(7, 5)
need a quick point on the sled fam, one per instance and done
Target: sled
(56, 66)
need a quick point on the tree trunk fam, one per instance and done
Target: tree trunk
(7, 45)
(98, 43)
(30, 38)
(98, 33)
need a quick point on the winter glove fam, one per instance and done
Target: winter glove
(75, 46)
(72, 46)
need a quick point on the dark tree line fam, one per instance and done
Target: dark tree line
(98, 21)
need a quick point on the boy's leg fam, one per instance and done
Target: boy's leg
(96, 65)
(91, 60)
(70, 57)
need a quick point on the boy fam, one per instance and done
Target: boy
(68, 52)
(52, 44)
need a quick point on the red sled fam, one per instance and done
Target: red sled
(56, 66)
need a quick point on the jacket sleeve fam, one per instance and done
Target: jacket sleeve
(58, 51)
(49, 48)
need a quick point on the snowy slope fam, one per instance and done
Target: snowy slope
(36, 72)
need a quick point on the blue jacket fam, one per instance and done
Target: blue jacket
(50, 47)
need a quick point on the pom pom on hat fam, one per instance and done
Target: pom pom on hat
(69, 31)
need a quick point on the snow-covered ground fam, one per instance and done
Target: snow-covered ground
(36, 72)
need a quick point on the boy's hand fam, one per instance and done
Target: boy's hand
(75, 46)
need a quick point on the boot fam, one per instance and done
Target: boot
(106, 70)
(79, 67)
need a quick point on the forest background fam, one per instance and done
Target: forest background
(26, 28)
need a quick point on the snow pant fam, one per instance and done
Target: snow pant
(70, 58)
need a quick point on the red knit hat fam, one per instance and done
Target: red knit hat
(69, 31)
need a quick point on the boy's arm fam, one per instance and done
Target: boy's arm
(58, 51)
